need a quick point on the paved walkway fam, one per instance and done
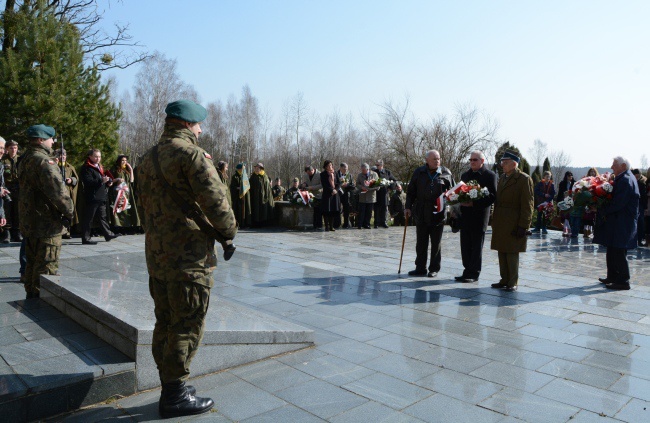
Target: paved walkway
(396, 349)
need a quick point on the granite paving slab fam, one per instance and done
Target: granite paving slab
(562, 348)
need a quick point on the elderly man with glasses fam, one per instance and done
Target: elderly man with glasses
(513, 213)
(474, 217)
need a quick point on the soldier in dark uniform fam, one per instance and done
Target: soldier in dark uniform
(72, 184)
(45, 201)
(10, 162)
(396, 205)
(474, 217)
(382, 195)
(180, 257)
(295, 186)
(278, 190)
(262, 202)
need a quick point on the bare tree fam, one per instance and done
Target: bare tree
(644, 164)
(538, 152)
(560, 162)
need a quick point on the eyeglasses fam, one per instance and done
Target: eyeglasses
(474, 160)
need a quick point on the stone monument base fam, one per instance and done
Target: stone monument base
(121, 313)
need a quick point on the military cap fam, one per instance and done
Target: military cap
(41, 131)
(187, 111)
(239, 166)
(296, 180)
(508, 155)
(10, 143)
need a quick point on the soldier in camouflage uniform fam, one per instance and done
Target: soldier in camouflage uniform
(180, 257)
(44, 201)
(10, 163)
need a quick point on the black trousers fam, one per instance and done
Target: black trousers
(345, 206)
(365, 213)
(380, 214)
(640, 226)
(471, 251)
(318, 215)
(95, 209)
(424, 234)
(11, 213)
(618, 270)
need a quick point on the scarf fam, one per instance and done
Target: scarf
(96, 166)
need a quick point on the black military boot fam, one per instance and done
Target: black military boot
(4, 236)
(176, 401)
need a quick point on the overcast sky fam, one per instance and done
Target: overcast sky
(575, 74)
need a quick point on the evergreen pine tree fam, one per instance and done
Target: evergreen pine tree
(546, 167)
(537, 175)
(506, 146)
(525, 166)
(44, 80)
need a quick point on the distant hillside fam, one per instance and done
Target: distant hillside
(579, 172)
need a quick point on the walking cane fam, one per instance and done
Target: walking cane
(406, 224)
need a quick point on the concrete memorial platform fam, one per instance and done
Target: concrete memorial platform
(389, 347)
(121, 313)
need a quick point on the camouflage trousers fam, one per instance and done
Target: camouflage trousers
(42, 259)
(180, 309)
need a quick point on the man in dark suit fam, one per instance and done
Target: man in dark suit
(474, 217)
(382, 195)
(616, 225)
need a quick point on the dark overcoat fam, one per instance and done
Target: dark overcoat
(513, 209)
(382, 193)
(241, 206)
(476, 218)
(616, 222)
(262, 202)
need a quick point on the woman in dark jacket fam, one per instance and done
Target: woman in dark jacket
(565, 185)
(330, 203)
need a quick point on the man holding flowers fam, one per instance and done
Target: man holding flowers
(616, 225)
(474, 216)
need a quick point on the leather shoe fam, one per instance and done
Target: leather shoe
(176, 400)
(109, 237)
(367, 227)
(432, 274)
(384, 226)
(623, 286)
(510, 288)
(604, 280)
(89, 242)
(417, 272)
(464, 279)
(497, 285)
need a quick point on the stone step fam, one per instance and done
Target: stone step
(120, 312)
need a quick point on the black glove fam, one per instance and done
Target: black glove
(228, 249)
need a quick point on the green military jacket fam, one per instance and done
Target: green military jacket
(175, 247)
(10, 169)
(44, 199)
(513, 209)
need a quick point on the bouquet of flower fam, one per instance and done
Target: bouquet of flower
(381, 182)
(547, 209)
(121, 199)
(465, 192)
(302, 197)
(599, 187)
(565, 204)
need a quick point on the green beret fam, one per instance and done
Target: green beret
(41, 131)
(186, 110)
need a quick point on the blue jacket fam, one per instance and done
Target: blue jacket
(616, 222)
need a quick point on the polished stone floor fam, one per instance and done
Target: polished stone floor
(390, 348)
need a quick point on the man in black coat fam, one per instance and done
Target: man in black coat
(474, 217)
(425, 190)
(95, 181)
(382, 195)
(616, 225)
(643, 204)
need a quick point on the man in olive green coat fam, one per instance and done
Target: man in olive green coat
(43, 203)
(513, 213)
(262, 202)
(180, 257)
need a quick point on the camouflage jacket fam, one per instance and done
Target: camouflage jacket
(10, 169)
(43, 197)
(175, 247)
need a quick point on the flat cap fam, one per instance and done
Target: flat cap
(508, 155)
(40, 131)
(186, 110)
